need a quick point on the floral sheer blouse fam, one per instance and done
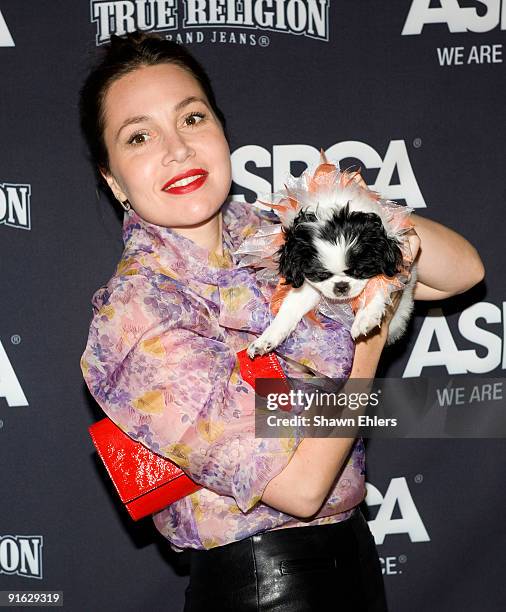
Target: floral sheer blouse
(160, 360)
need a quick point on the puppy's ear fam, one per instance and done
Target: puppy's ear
(392, 257)
(291, 263)
(374, 219)
(296, 253)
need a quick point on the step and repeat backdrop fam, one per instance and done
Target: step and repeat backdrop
(413, 91)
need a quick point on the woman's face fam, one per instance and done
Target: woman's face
(167, 151)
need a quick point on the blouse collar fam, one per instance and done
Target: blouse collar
(186, 256)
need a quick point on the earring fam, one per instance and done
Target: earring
(125, 204)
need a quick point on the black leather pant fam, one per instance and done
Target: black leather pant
(297, 569)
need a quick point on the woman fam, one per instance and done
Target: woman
(276, 525)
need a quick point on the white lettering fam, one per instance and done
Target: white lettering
(435, 326)
(450, 397)
(21, 555)
(486, 22)
(264, 18)
(15, 205)
(122, 16)
(307, 17)
(216, 12)
(166, 14)
(296, 15)
(145, 11)
(195, 13)
(6, 39)
(410, 522)
(485, 54)
(9, 555)
(457, 18)
(389, 566)
(9, 383)
(29, 556)
(317, 16)
(450, 56)
(396, 158)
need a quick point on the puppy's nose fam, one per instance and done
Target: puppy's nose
(341, 287)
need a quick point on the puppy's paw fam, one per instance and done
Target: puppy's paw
(365, 321)
(259, 347)
(265, 343)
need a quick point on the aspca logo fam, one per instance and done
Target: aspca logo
(201, 20)
(461, 361)
(9, 383)
(15, 205)
(21, 555)
(491, 14)
(410, 521)
(5, 36)
(394, 160)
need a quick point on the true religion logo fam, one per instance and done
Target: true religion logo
(15, 205)
(21, 555)
(301, 17)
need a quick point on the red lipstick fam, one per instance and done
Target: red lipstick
(190, 186)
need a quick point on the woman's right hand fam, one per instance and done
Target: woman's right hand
(390, 310)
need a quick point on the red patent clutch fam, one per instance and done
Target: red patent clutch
(147, 482)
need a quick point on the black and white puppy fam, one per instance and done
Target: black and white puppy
(333, 249)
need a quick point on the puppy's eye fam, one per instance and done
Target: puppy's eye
(317, 276)
(364, 272)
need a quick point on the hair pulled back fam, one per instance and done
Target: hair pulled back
(121, 56)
